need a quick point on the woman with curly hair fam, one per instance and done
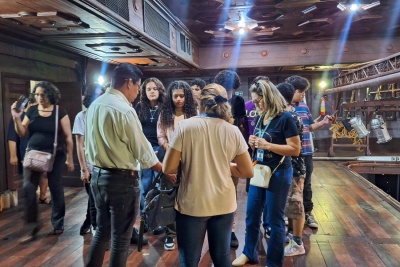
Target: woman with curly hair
(179, 104)
(152, 95)
(39, 123)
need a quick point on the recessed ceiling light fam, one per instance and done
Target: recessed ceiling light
(373, 4)
(308, 10)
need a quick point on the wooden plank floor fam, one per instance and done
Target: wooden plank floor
(356, 228)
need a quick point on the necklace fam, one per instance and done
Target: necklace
(152, 113)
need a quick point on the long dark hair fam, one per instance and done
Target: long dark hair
(145, 102)
(168, 107)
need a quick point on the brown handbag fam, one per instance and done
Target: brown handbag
(40, 161)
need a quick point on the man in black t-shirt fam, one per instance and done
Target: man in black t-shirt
(231, 81)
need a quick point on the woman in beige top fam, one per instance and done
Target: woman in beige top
(178, 105)
(206, 145)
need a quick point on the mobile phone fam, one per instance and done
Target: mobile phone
(334, 113)
(21, 103)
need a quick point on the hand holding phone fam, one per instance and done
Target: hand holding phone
(21, 103)
(334, 113)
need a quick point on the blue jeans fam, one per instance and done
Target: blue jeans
(116, 198)
(275, 197)
(91, 208)
(190, 235)
(31, 182)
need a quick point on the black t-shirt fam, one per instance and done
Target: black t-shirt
(238, 108)
(280, 128)
(149, 125)
(298, 164)
(42, 129)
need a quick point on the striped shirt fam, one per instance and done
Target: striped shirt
(305, 115)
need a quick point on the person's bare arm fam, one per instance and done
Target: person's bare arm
(85, 173)
(171, 164)
(292, 147)
(242, 166)
(12, 145)
(66, 129)
(320, 124)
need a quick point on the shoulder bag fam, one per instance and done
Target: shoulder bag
(263, 173)
(40, 161)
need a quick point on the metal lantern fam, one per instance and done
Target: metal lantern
(359, 126)
(378, 126)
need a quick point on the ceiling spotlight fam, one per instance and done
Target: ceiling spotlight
(373, 4)
(354, 7)
(308, 10)
(252, 25)
(241, 31)
(341, 7)
(229, 27)
(241, 24)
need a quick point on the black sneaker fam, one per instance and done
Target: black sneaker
(84, 229)
(160, 230)
(135, 237)
(234, 240)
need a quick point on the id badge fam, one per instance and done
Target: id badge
(260, 155)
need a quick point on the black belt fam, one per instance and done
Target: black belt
(115, 171)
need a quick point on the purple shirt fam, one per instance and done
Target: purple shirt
(251, 116)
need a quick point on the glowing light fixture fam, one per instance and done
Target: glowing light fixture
(100, 80)
(323, 84)
(341, 7)
(252, 25)
(354, 7)
(373, 4)
(229, 27)
(308, 10)
(241, 31)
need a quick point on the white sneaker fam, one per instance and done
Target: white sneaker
(310, 221)
(169, 243)
(293, 249)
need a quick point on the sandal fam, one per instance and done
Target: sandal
(44, 201)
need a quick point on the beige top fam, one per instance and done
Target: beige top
(208, 145)
(114, 137)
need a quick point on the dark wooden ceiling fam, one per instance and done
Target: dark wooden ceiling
(88, 28)
(285, 20)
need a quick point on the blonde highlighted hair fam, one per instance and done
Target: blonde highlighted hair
(213, 100)
(274, 102)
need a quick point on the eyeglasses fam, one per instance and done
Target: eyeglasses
(40, 95)
(257, 101)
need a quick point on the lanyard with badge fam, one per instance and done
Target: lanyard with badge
(260, 152)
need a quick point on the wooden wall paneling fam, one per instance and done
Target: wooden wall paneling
(13, 88)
